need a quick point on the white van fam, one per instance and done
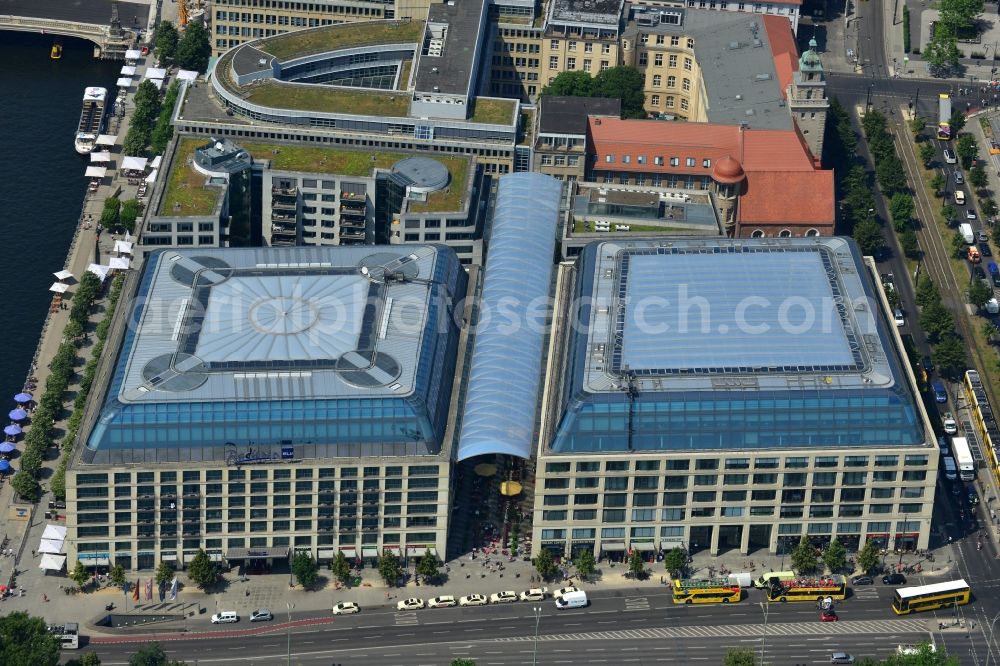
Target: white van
(225, 617)
(949, 157)
(950, 469)
(576, 599)
(960, 197)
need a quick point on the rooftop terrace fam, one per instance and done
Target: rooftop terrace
(186, 192)
(331, 99)
(301, 43)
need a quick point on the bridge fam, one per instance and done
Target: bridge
(112, 26)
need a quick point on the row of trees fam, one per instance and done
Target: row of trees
(191, 50)
(147, 110)
(117, 215)
(624, 83)
(891, 178)
(957, 20)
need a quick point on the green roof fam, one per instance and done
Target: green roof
(493, 111)
(187, 192)
(451, 198)
(301, 43)
(331, 99)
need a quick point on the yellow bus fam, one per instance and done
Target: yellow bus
(808, 589)
(710, 591)
(929, 597)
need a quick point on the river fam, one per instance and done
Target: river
(41, 181)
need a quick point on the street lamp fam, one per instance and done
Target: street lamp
(765, 607)
(288, 634)
(534, 650)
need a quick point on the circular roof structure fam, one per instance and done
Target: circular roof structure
(422, 174)
(728, 170)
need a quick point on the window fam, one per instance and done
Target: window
(670, 105)
(612, 532)
(613, 516)
(764, 479)
(589, 466)
(886, 461)
(732, 511)
(615, 499)
(914, 475)
(557, 467)
(686, 84)
(822, 495)
(852, 495)
(856, 461)
(675, 482)
(795, 480)
(671, 81)
(734, 496)
(911, 492)
(586, 482)
(657, 80)
(654, 100)
(884, 475)
(677, 465)
(915, 461)
(570, 63)
(706, 479)
(703, 496)
(616, 483)
(553, 62)
(587, 64)
(880, 508)
(672, 61)
(763, 495)
(675, 161)
(762, 511)
(706, 163)
(855, 478)
(644, 499)
(915, 507)
(826, 461)
(672, 514)
(645, 483)
(645, 515)
(554, 44)
(555, 500)
(658, 60)
(883, 493)
(735, 479)
(687, 64)
(585, 514)
(588, 498)
(684, 104)
(824, 478)
(616, 466)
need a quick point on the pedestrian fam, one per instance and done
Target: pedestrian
(32, 552)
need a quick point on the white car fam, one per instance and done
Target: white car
(898, 316)
(534, 594)
(473, 600)
(346, 608)
(445, 601)
(225, 617)
(950, 426)
(565, 590)
(505, 597)
(410, 604)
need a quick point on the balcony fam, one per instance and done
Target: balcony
(347, 233)
(287, 191)
(352, 223)
(284, 203)
(351, 197)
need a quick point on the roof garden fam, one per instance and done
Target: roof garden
(300, 43)
(452, 197)
(493, 111)
(186, 192)
(307, 97)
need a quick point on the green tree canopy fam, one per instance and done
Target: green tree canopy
(936, 320)
(804, 557)
(949, 356)
(202, 571)
(625, 83)
(389, 568)
(545, 564)
(901, 207)
(164, 574)
(340, 567)
(979, 294)
(977, 177)
(26, 641)
(739, 657)
(166, 41)
(868, 235)
(835, 556)
(675, 561)
(926, 292)
(152, 654)
(117, 575)
(938, 183)
(585, 563)
(636, 565)
(960, 15)
(890, 175)
(967, 150)
(25, 485)
(927, 153)
(79, 574)
(957, 121)
(428, 565)
(941, 52)
(86, 659)
(868, 556)
(574, 83)
(194, 48)
(908, 243)
(305, 569)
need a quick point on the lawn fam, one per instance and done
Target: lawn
(451, 198)
(331, 38)
(404, 77)
(312, 97)
(493, 111)
(186, 192)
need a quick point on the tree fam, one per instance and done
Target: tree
(585, 563)
(194, 49)
(462, 662)
(202, 571)
(957, 121)
(977, 177)
(926, 292)
(948, 213)
(675, 561)
(545, 564)
(960, 15)
(927, 153)
(625, 83)
(164, 574)
(109, 215)
(989, 207)
(389, 568)
(166, 41)
(890, 175)
(908, 243)
(152, 654)
(868, 556)
(901, 207)
(739, 657)
(341, 568)
(917, 125)
(129, 212)
(868, 236)
(979, 294)
(936, 320)
(117, 575)
(967, 150)
(949, 356)
(25, 485)
(88, 659)
(575, 83)
(428, 565)
(26, 641)
(938, 183)
(636, 565)
(835, 556)
(305, 569)
(804, 557)
(941, 52)
(73, 330)
(79, 574)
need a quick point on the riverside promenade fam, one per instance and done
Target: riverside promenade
(22, 523)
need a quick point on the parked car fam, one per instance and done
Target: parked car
(225, 617)
(829, 615)
(970, 213)
(959, 178)
(893, 579)
(563, 591)
(862, 580)
(973, 497)
(983, 238)
(940, 395)
(261, 615)
(984, 248)
(444, 601)
(928, 364)
(505, 597)
(410, 604)
(534, 594)
(841, 658)
(473, 600)
(899, 318)
(346, 608)
(950, 426)
(943, 446)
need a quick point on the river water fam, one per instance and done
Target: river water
(41, 182)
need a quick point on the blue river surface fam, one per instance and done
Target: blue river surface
(41, 182)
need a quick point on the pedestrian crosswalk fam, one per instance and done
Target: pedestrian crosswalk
(406, 618)
(636, 604)
(889, 626)
(869, 592)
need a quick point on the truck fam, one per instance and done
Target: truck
(743, 579)
(960, 197)
(966, 230)
(963, 458)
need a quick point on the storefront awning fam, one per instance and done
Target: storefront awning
(256, 553)
(349, 553)
(168, 557)
(56, 532)
(94, 560)
(54, 546)
(327, 554)
(369, 552)
(418, 551)
(613, 546)
(643, 545)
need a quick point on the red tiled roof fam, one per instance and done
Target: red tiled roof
(788, 198)
(783, 48)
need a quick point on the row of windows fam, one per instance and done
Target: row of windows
(708, 464)
(262, 473)
(325, 497)
(669, 531)
(149, 545)
(588, 47)
(571, 64)
(678, 515)
(793, 489)
(654, 100)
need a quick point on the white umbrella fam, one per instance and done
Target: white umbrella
(96, 172)
(63, 275)
(124, 82)
(155, 73)
(151, 178)
(119, 263)
(103, 156)
(186, 75)
(106, 140)
(133, 54)
(59, 287)
(128, 70)
(155, 163)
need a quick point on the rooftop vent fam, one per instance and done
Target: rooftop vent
(734, 45)
(749, 112)
(763, 77)
(757, 42)
(262, 62)
(738, 97)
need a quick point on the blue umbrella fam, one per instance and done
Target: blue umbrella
(6, 447)
(18, 414)
(13, 430)
(4, 466)
(22, 397)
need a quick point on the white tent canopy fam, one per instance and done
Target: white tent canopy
(96, 172)
(57, 532)
(155, 73)
(127, 70)
(103, 156)
(59, 287)
(155, 164)
(123, 247)
(134, 163)
(151, 178)
(63, 274)
(124, 82)
(133, 54)
(52, 562)
(186, 75)
(119, 263)
(158, 83)
(98, 270)
(107, 140)
(51, 546)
